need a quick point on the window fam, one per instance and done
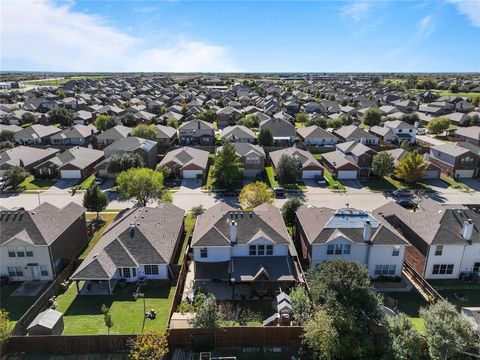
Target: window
(29, 252)
(261, 250)
(20, 251)
(476, 267)
(269, 249)
(203, 252)
(252, 160)
(151, 269)
(19, 270)
(253, 250)
(338, 249)
(396, 251)
(346, 249)
(126, 272)
(385, 269)
(11, 271)
(330, 249)
(442, 269)
(11, 252)
(134, 272)
(439, 250)
(43, 270)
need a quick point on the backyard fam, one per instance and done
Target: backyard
(82, 314)
(249, 313)
(410, 303)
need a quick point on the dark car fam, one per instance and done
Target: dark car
(279, 191)
(99, 180)
(406, 203)
(403, 193)
(321, 181)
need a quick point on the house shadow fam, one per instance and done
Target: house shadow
(437, 196)
(472, 183)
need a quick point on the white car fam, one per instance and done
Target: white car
(422, 131)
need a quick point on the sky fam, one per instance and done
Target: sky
(240, 36)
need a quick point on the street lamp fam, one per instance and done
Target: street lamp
(38, 194)
(137, 295)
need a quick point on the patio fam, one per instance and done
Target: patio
(29, 288)
(96, 287)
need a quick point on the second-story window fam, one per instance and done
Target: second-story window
(261, 250)
(396, 251)
(29, 252)
(20, 251)
(439, 250)
(252, 250)
(203, 252)
(12, 252)
(269, 249)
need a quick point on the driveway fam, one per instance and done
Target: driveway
(472, 183)
(62, 185)
(189, 185)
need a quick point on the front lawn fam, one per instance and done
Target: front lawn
(399, 184)
(32, 184)
(275, 184)
(378, 185)
(108, 218)
(455, 184)
(83, 185)
(82, 314)
(332, 183)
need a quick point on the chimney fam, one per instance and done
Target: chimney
(233, 232)
(467, 229)
(367, 231)
(132, 229)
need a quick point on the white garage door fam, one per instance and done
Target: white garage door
(70, 174)
(192, 174)
(464, 173)
(311, 174)
(350, 174)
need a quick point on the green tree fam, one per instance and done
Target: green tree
(318, 121)
(15, 175)
(405, 145)
(426, 83)
(289, 209)
(173, 122)
(287, 169)
(145, 131)
(6, 325)
(438, 125)
(250, 121)
(334, 123)
(105, 122)
(255, 194)
(447, 333)
(372, 117)
(404, 342)
(412, 167)
(6, 135)
(383, 164)
(143, 184)
(475, 100)
(60, 115)
(28, 118)
(410, 118)
(228, 166)
(207, 314)
(320, 334)
(301, 305)
(453, 88)
(95, 199)
(151, 345)
(265, 137)
(164, 169)
(107, 318)
(301, 118)
(121, 162)
(208, 116)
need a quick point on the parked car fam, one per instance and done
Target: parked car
(321, 181)
(403, 193)
(279, 191)
(99, 180)
(422, 131)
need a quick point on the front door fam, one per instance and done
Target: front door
(35, 272)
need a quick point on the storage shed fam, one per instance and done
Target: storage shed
(48, 322)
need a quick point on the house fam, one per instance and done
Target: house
(166, 135)
(316, 136)
(238, 133)
(355, 235)
(140, 243)
(187, 162)
(339, 166)
(146, 148)
(37, 244)
(359, 154)
(455, 159)
(402, 131)
(469, 134)
(283, 131)
(309, 167)
(196, 132)
(252, 157)
(48, 322)
(25, 156)
(35, 134)
(75, 135)
(113, 134)
(241, 255)
(312, 107)
(10, 128)
(351, 132)
(74, 163)
(228, 116)
(383, 133)
(433, 171)
(445, 239)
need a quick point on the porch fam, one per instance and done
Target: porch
(95, 287)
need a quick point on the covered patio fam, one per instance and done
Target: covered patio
(95, 287)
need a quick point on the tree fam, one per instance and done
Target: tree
(107, 318)
(121, 162)
(255, 194)
(105, 122)
(145, 131)
(412, 167)
(143, 184)
(410, 118)
(287, 169)
(227, 166)
(28, 118)
(250, 121)
(207, 314)
(6, 325)
(301, 118)
(164, 169)
(6, 135)
(95, 199)
(438, 125)
(342, 288)
(265, 137)
(60, 115)
(15, 175)
(320, 334)
(426, 83)
(405, 145)
(151, 345)
(209, 116)
(173, 122)
(318, 121)
(289, 208)
(453, 88)
(404, 342)
(334, 123)
(372, 117)
(383, 164)
(301, 305)
(475, 100)
(446, 332)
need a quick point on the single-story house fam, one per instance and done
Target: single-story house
(310, 167)
(187, 162)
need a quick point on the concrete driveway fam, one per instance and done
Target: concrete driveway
(63, 185)
(190, 185)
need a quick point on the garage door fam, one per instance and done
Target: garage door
(192, 174)
(351, 174)
(432, 174)
(70, 174)
(251, 173)
(311, 174)
(464, 173)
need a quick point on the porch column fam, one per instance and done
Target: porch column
(78, 289)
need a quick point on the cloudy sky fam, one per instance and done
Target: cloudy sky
(250, 36)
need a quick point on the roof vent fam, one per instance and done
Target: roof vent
(467, 229)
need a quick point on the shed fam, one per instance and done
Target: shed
(48, 322)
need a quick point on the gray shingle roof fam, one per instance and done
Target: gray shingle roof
(185, 156)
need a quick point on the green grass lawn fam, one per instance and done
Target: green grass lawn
(84, 184)
(299, 124)
(317, 156)
(378, 185)
(398, 184)
(331, 181)
(262, 309)
(410, 303)
(108, 218)
(82, 314)
(275, 184)
(455, 184)
(32, 184)
(189, 224)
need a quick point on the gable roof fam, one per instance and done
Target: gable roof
(115, 133)
(185, 156)
(77, 131)
(305, 158)
(28, 155)
(351, 131)
(314, 131)
(237, 132)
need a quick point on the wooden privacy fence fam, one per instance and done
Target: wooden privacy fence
(423, 287)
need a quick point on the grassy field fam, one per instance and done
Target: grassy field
(61, 81)
(331, 181)
(410, 303)
(446, 92)
(82, 314)
(32, 184)
(108, 218)
(262, 309)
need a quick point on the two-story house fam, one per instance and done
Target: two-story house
(359, 154)
(113, 134)
(283, 131)
(196, 132)
(238, 134)
(402, 131)
(456, 159)
(252, 157)
(355, 235)
(35, 134)
(242, 254)
(351, 133)
(228, 116)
